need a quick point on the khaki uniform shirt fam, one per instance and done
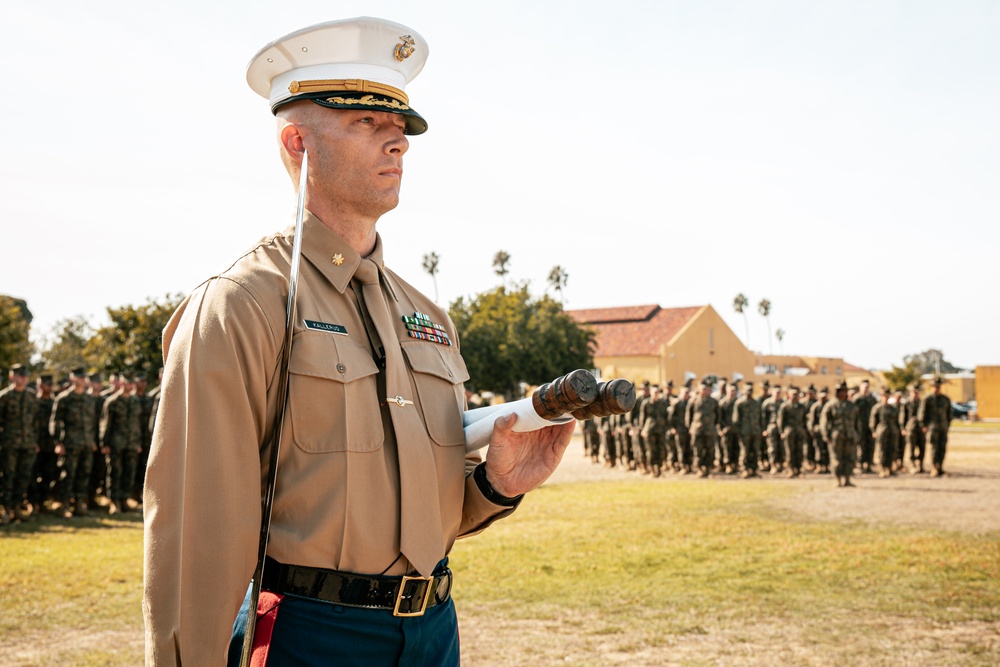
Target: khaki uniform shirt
(337, 499)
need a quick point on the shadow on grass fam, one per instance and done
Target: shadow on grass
(41, 524)
(918, 489)
(973, 474)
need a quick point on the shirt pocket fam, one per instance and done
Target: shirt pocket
(439, 375)
(332, 395)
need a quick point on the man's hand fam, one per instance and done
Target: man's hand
(519, 462)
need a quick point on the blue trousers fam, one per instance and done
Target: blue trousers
(310, 632)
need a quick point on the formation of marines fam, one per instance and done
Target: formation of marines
(728, 430)
(74, 447)
(84, 445)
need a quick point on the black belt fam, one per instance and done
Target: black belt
(405, 596)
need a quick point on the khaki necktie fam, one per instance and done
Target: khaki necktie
(421, 540)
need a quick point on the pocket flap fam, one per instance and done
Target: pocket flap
(438, 360)
(330, 356)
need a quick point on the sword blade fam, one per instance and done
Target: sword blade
(279, 419)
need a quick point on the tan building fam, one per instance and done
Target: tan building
(649, 343)
(987, 392)
(818, 371)
(654, 344)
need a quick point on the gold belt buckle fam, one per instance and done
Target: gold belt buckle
(402, 588)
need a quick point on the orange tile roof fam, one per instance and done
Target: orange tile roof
(634, 330)
(851, 368)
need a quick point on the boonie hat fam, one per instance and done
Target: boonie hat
(360, 63)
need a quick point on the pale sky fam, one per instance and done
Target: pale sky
(841, 159)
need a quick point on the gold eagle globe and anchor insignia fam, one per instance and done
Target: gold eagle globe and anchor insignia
(404, 49)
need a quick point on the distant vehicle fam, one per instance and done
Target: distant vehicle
(961, 410)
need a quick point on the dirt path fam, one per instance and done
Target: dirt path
(966, 498)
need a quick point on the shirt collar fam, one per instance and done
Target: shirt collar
(331, 254)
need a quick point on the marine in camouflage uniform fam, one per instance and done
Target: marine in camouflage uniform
(935, 416)
(146, 438)
(771, 433)
(670, 440)
(884, 424)
(839, 424)
(911, 429)
(765, 394)
(702, 420)
(99, 466)
(812, 426)
(73, 427)
(811, 457)
(654, 429)
(623, 439)
(746, 423)
(640, 452)
(729, 440)
(865, 402)
(591, 439)
(792, 425)
(45, 476)
(18, 446)
(121, 433)
(679, 431)
(607, 431)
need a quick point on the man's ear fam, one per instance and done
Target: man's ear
(291, 140)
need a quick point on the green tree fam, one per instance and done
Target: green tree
(900, 378)
(15, 330)
(931, 361)
(500, 262)
(133, 339)
(431, 261)
(508, 338)
(66, 345)
(558, 277)
(740, 304)
(764, 308)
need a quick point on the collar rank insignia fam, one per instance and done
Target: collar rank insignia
(337, 259)
(420, 326)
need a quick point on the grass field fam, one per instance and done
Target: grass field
(679, 572)
(630, 573)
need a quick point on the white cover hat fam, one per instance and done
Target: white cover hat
(360, 63)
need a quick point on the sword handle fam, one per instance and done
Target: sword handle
(613, 398)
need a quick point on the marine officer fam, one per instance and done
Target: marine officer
(373, 481)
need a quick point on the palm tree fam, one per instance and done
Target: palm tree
(500, 262)
(780, 335)
(557, 280)
(739, 305)
(431, 260)
(764, 308)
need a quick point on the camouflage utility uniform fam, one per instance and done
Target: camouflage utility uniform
(18, 446)
(72, 424)
(884, 424)
(914, 434)
(935, 415)
(839, 424)
(792, 424)
(702, 421)
(746, 423)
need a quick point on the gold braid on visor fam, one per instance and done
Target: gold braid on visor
(347, 86)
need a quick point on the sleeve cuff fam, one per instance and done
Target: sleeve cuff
(491, 494)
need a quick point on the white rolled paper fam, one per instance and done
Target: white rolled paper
(478, 422)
